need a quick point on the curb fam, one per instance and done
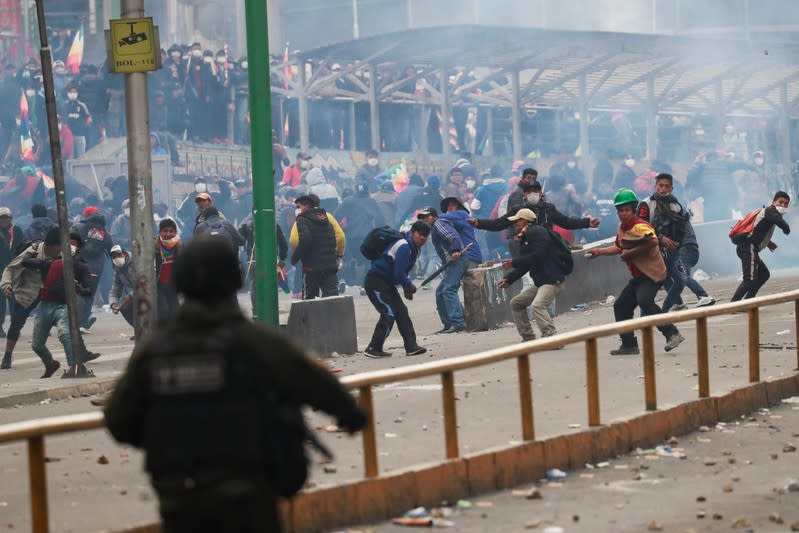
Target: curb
(59, 393)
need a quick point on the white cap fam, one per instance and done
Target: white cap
(526, 214)
(5, 212)
(117, 249)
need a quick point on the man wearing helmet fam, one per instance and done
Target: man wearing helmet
(637, 243)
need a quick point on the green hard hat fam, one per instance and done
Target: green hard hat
(625, 196)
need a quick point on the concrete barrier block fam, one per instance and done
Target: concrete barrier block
(603, 444)
(742, 401)
(520, 464)
(580, 449)
(556, 452)
(778, 389)
(309, 324)
(330, 506)
(648, 430)
(702, 412)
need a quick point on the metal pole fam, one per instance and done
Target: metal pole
(374, 109)
(263, 179)
(446, 150)
(585, 142)
(60, 191)
(651, 120)
(516, 115)
(302, 97)
(140, 186)
(356, 31)
(784, 133)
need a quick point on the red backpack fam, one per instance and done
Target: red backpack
(746, 225)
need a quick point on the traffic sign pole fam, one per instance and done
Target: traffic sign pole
(263, 181)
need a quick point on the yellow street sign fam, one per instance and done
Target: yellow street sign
(134, 45)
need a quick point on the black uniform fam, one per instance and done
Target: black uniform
(197, 397)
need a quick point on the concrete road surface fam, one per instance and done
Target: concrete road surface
(88, 496)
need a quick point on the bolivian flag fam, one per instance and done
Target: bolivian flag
(25, 141)
(75, 57)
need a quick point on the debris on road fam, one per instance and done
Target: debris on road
(555, 473)
(788, 448)
(654, 526)
(102, 460)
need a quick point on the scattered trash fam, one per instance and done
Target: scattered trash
(784, 332)
(710, 462)
(332, 428)
(390, 435)
(3, 504)
(532, 524)
(610, 300)
(52, 459)
(553, 529)
(668, 451)
(673, 441)
(463, 504)
(555, 473)
(701, 499)
(102, 460)
(579, 307)
(792, 486)
(792, 399)
(775, 518)
(46, 401)
(574, 426)
(655, 526)
(417, 512)
(740, 523)
(603, 464)
(330, 469)
(788, 448)
(398, 420)
(701, 514)
(484, 504)
(727, 488)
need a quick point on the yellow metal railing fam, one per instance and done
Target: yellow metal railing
(34, 431)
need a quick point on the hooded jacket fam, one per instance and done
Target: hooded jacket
(488, 195)
(25, 282)
(316, 245)
(97, 241)
(465, 233)
(765, 223)
(10, 245)
(396, 262)
(38, 229)
(124, 281)
(361, 214)
(318, 185)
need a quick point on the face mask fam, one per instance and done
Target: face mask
(208, 60)
(470, 184)
(372, 162)
(629, 162)
(305, 165)
(73, 249)
(244, 65)
(175, 57)
(119, 261)
(782, 210)
(196, 53)
(169, 241)
(200, 187)
(533, 198)
(729, 129)
(758, 161)
(700, 133)
(126, 211)
(571, 164)
(72, 96)
(30, 92)
(297, 212)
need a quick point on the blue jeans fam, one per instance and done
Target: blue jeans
(689, 255)
(676, 277)
(49, 314)
(448, 303)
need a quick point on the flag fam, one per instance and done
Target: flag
(453, 131)
(397, 175)
(75, 56)
(286, 130)
(25, 141)
(289, 75)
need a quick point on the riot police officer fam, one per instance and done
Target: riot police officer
(199, 397)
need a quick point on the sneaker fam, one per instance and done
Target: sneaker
(90, 322)
(674, 341)
(83, 330)
(416, 351)
(528, 338)
(90, 356)
(678, 307)
(6, 364)
(625, 350)
(704, 301)
(50, 369)
(455, 329)
(376, 354)
(445, 329)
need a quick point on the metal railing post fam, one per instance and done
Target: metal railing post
(796, 317)
(649, 370)
(702, 365)
(450, 414)
(592, 382)
(754, 345)
(38, 482)
(526, 397)
(369, 433)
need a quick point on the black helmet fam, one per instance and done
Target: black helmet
(207, 270)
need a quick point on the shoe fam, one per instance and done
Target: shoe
(455, 329)
(528, 338)
(376, 354)
(416, 351)
(2, 333)
(625, 350)
(90, 322)
(84, 330)
(50, 369)
(6, 364)
(678, 307)
(674, 341)
(90, 356)
(445, 329)
(342, 288)
(704, 301)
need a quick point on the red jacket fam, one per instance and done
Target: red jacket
(292, 176)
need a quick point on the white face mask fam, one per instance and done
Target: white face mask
(30, 92)
(629, 162)
(119, 261)
(200, 187)
(169, 241)
(72, 96)
(126, 211)
(533, 198)
(758, 161)
(297, 212)
(781, 210)
(73, 249)
(305, 165)
(372, 162)
(196, 53)
(208, 59)
(470, 184)
(244, 65)
(221, 60)
(571, 164)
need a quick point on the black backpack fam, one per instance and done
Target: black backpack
(563, 254)
(378, 240)
(216, 228)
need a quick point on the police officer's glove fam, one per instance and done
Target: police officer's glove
(353, 422)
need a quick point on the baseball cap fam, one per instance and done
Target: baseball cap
(526, 214)
(426, 211)
(90, 210)
(202, 196)
(5, 212)
(116, 249)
